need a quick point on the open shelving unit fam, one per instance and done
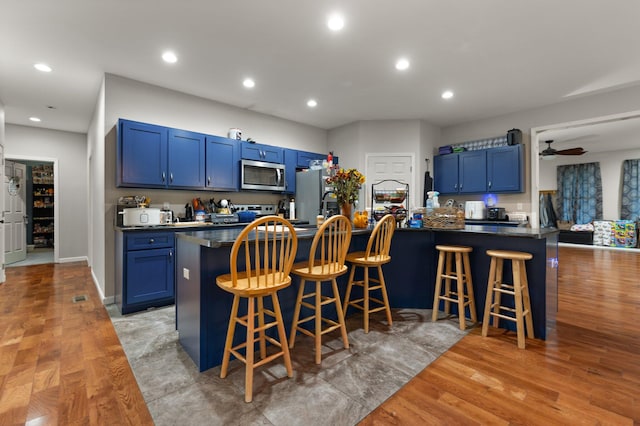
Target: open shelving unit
(390, 196)
(43, 205)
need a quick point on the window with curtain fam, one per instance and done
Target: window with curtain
(630, 203)
(579, 192)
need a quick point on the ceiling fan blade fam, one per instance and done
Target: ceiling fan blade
(571, 151)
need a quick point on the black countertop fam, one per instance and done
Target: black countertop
(226, 236)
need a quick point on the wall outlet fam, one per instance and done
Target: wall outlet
(519, 206)
(185, 273)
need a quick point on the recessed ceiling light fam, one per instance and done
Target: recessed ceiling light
(249, 83)
(169, 57)
(402, 64)
(35, 119)
(447, 94)
(312, 103)
(42, 67)
(335, 22)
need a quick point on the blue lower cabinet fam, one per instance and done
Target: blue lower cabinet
(149, 275)
(145, 270)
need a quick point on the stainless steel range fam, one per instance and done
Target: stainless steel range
(221, 218)
(259, 209)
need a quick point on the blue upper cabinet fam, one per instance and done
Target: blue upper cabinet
(260, 152)
(460, 173)
(186, 159)
(222, 165)
(472, 172)
(505, 169)
(142, 154)
(151, 156)
(305, 158)
(472, 176)
(445, 174)
(290, 168)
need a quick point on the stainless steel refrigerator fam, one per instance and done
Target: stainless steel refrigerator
(311, 186)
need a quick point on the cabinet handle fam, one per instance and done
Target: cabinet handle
(489, 184)
(209, 180)
(163, 176)
(151, 241)
(171, 177)
(455, 186)
(171, 254)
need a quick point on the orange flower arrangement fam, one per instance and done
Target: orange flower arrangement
(346, 184)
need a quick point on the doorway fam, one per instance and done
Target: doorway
(37, 231)
(391, 166)
(572, 131)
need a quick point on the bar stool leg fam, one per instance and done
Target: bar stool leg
(528, 318)
(469, 284)
(517, 289)
(296, 314)
(385, 296)
(447, 282)
(263, 341)
(343, 327)
(283, 334)
(318, 334)
(365, 302)
(497, 301)
(248, 372)
(489, 298)
(436, 299)
(460, 290)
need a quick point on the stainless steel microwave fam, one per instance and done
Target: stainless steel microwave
(261, 175)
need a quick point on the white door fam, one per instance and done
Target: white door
(15, 213)
(3, 277)
(390, 166)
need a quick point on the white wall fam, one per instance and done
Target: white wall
(72, 194)
(134, 100)
(573, 109)
(95, 161)
(353, 141)
(610, 170)
(2, 274)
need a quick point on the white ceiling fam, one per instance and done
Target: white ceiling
(498, 56)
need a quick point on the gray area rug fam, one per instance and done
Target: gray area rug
(348, 385)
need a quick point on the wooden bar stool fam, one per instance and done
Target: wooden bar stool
(519, 289)
(463, 293)
(326, 262)
(260, 262)
(376, 255)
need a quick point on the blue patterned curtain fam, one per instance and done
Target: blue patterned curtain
(579, 192)
(630, 204)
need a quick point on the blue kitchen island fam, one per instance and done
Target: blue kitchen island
(202, 309)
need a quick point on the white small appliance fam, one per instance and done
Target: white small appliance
(474, 210)
(141, 216)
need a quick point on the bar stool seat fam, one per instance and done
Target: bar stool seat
(462, 295)
(518, 289)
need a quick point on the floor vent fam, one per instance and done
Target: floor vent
(77, 299)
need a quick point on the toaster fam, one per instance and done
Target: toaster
(496, 213)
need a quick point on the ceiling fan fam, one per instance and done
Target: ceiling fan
(550, 153)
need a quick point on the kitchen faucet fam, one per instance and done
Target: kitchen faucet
(324, 211)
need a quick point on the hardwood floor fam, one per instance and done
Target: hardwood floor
(586, 372)
(61, 362)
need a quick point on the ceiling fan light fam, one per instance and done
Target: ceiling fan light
(549, 157)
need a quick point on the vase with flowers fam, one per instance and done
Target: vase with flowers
(346, 184)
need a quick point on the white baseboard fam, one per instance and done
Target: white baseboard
(592, 247)
(105, 300)
(73, 259)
